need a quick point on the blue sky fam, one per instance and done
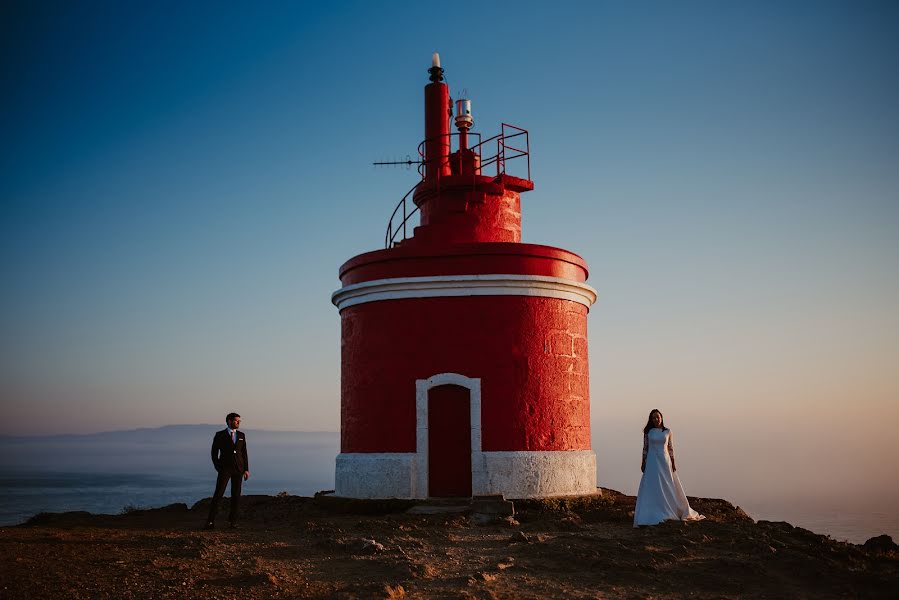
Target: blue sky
(181, 181)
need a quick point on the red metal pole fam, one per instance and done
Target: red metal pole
(437, 129)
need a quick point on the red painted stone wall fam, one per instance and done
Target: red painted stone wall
(469, 214)
(465, 259)
(529, 352)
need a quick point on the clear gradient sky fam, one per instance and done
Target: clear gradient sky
(180, 182)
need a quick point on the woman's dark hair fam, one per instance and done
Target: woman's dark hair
(649, 424)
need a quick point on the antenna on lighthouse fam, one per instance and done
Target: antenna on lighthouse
(408, 162)
(436, 76)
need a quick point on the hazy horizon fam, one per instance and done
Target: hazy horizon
(615, 467)
(152, 427)
(103, 472)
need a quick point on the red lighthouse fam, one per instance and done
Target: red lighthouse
(464, 351)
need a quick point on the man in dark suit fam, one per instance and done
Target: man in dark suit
(229, 455)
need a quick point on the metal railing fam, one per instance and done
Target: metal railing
(441, 160)
(503, 145)
(505, 151)
(390, 237)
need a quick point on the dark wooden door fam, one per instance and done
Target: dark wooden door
(449, 441)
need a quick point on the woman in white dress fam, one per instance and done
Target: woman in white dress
(660, 497)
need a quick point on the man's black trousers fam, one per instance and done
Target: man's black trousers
(221, 483)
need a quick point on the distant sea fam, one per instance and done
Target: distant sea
(106, 473)
(851, 521)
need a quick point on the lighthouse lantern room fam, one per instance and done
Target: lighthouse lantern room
(464, 351)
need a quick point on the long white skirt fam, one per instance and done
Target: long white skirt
(661, 496)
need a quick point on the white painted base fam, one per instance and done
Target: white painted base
(534, 474)
(513, 474)
(376, 475)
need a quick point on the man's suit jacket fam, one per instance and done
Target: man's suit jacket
(227, 456)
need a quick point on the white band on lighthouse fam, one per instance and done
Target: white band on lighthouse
(464, 285)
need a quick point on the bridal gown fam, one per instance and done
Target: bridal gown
(661, 496)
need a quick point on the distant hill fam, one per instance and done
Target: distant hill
(151, 434)
(172, 450)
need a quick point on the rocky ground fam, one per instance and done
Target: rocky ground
(294, 547)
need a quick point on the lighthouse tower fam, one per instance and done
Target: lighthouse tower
(463, 350)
